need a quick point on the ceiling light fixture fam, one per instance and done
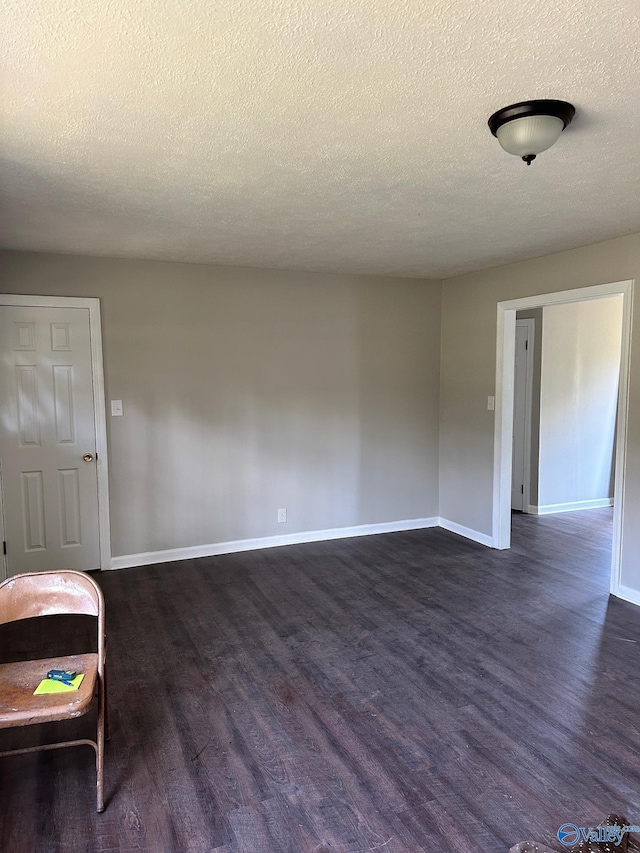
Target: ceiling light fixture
(528, 128)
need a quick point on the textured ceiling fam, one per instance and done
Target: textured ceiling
(329, 135)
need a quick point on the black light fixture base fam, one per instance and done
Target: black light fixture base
(546, 107)
(528, 158)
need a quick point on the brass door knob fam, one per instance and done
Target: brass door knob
(88, 457)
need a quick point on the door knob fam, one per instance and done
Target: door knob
(88, 457)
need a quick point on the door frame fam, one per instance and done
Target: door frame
(99, 407)
(530, 323)
(505, 369)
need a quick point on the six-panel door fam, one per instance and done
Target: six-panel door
(47, 426)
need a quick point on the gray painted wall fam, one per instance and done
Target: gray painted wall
(469, 322)
(578, 401)
(249, 390)
(246, 390)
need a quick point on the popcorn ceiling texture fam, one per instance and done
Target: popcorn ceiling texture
(314, 134)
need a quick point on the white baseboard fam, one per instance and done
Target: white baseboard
(627, 593)
(190, 553)
(571, 506)
(467, 532)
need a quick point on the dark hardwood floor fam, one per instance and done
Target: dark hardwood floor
(399, 693)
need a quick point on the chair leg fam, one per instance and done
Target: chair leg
(100, 748)
(107, 732)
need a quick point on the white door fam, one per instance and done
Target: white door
(522, 400)
(48, 439)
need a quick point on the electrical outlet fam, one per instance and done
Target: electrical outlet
(282, 515)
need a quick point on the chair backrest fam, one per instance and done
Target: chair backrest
(50, 593)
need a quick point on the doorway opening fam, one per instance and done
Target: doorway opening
(505, 388)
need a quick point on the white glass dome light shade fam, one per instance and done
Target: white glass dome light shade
(530, 134)
(529, 127)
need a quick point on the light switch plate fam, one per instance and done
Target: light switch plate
(116, 408)
(491, 403)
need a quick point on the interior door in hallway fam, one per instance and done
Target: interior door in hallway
(48, 439)
(523, 392)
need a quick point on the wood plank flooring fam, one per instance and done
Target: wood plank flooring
(399, 693)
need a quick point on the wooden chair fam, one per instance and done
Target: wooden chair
(46, 594)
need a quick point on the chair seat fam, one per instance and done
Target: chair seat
(18, 705)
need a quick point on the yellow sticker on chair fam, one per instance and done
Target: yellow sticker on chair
(47, 685)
